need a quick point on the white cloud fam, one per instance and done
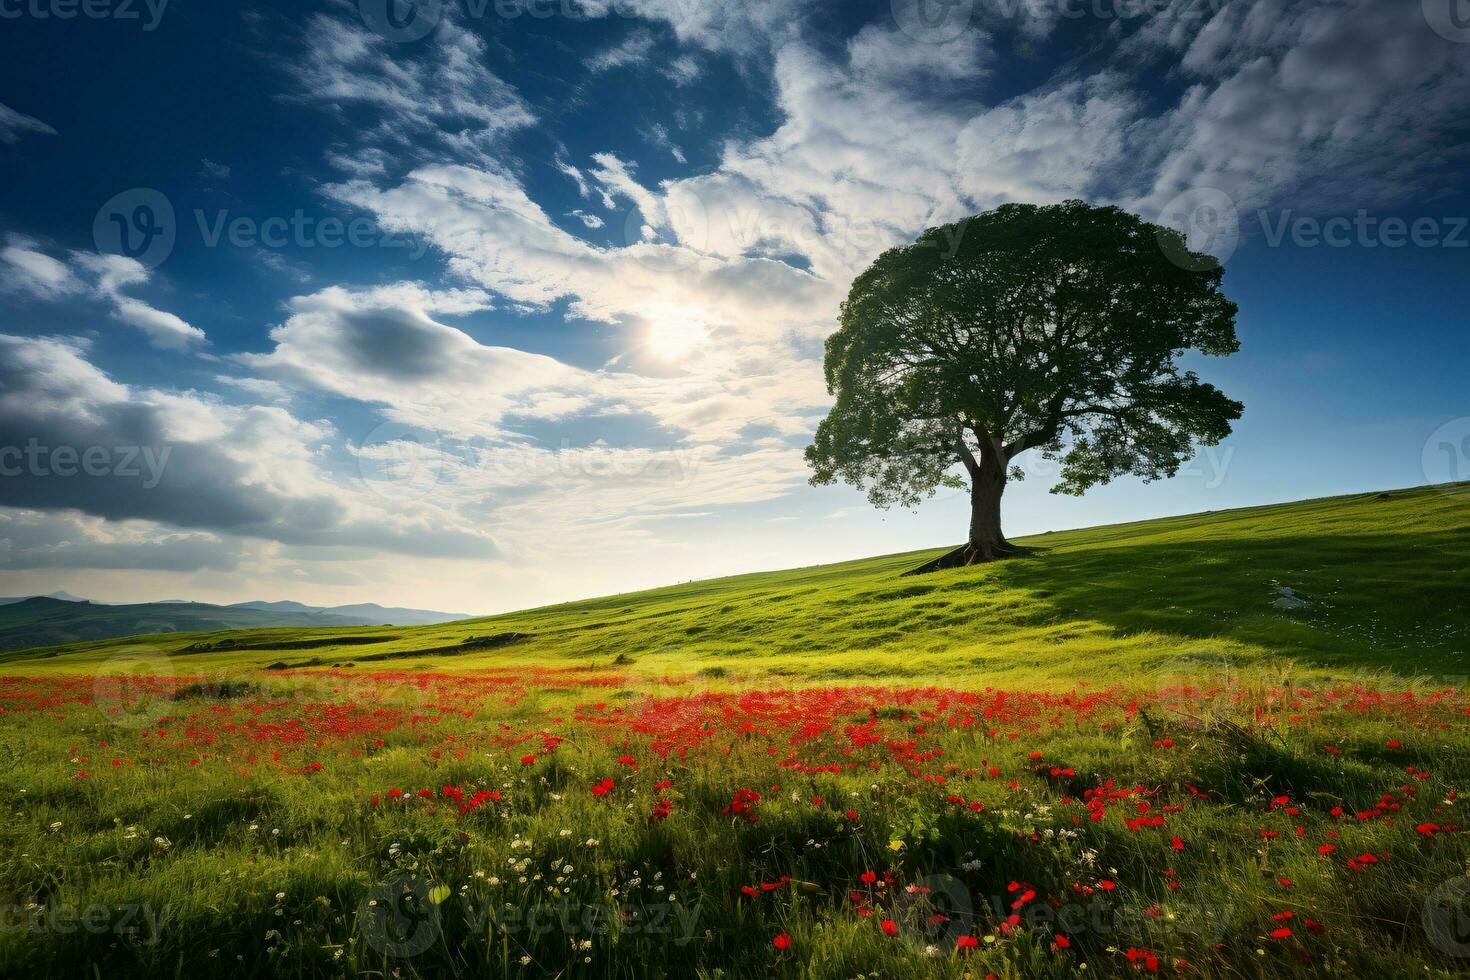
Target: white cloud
(38, 274)
(658, 135)
(737, 26)
(682, 70)
(590, 220)
(34, 272)
(383, 345)
(1335, 104)
(442, 97)
(189, 461)
(632, 50)
(116, 272)
(32, 540)
(13, 124)
(497, 237)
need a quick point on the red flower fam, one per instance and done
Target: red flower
(966, 942)
(526, 760)
(1282, 933)
(746, 803)
(603, 788)
(782, 942)
(889, 927)
(1062, 942)
(1149, 960)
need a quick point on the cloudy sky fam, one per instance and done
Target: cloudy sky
(484, 303)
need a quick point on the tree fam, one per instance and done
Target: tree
(1055, 329)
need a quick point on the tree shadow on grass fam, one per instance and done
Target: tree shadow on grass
(1392, 601)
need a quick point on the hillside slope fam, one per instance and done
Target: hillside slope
(1386, 577)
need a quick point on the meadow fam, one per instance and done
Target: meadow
(1222, 745)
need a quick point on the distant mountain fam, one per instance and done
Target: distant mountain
(66, 596)
(284, 605)
(370, 612)
(47, 621)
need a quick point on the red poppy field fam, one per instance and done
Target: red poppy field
(568, 822)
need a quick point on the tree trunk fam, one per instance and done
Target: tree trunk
(987, 542)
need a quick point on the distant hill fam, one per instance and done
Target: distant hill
(6, 601)
(368, 613)
(47, 621)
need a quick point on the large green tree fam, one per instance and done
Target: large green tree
(1055, 329)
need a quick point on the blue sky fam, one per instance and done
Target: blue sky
(527, 302)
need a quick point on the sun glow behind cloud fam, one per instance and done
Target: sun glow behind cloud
(673, 339)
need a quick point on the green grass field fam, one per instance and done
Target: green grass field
(1114, 755)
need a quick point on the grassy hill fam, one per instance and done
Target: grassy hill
(1385, 576)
